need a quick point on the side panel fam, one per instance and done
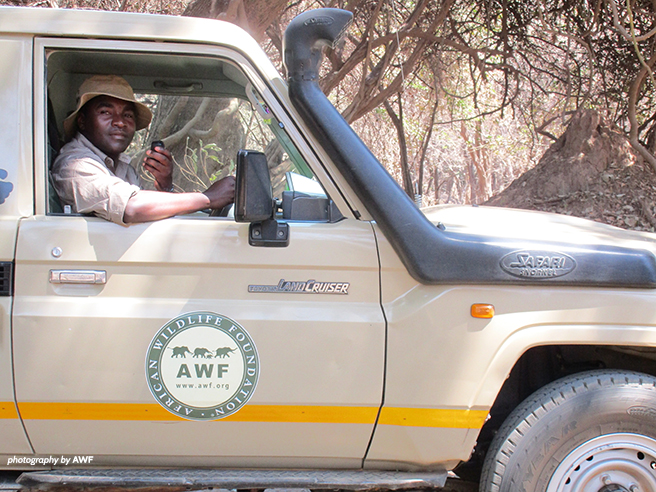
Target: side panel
(445, 368)
(81, 349)
(15, 201)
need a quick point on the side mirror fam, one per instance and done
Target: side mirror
(254, 201)
(253, 193)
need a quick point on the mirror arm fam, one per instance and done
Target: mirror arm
(269, 233)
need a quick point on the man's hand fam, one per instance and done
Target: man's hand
(160, 164)
(221, 193)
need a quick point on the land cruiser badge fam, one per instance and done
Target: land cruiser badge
(303, 287)
(202, 366)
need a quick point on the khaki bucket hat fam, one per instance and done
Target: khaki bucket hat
(106, 85)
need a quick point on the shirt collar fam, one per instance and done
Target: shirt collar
(108, 161)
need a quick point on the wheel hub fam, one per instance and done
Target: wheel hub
(613, 488)
(612, 463)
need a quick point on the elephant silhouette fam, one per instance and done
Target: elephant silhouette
(180, 352)
(202, 352)
(224, 352)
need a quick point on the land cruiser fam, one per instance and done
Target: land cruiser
(326, 332)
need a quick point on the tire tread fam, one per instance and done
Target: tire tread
(538, 405)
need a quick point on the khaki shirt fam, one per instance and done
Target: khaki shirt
(90, 182)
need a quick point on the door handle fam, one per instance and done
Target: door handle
(78, 277)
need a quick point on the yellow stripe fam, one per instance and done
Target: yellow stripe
(8, 410)
(153, 411)
(93, 411)
(418, 417)
(433, 417)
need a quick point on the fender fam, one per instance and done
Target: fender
(528, 337)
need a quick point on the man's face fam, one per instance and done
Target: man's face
(108, 123)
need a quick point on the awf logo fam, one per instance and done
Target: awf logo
(6, 187)
(202, 366)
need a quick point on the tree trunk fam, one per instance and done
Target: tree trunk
(397, 120)
(254, 16)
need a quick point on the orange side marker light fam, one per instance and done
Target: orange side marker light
(484, 311)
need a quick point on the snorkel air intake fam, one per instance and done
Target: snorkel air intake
(432, 255)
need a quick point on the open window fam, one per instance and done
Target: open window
(204, 110)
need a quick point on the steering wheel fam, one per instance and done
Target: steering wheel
(223, 212)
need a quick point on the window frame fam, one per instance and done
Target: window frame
(43, 45)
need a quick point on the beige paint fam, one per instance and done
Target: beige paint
(88, 343)
(16, 124)
(13, 438)
(16, 160)
(439, 356)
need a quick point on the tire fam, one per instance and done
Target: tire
(594, 431)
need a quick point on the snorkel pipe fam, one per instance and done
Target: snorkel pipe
(431, 255)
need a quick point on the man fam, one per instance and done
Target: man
(92, 175)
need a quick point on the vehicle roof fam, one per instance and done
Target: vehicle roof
(125, 25)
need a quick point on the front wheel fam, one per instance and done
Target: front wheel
(591, 432)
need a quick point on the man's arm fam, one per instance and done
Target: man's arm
(146, 206)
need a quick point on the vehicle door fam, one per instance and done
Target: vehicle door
(176, 341)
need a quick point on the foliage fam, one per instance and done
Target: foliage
(457, 98)
(202, 165)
